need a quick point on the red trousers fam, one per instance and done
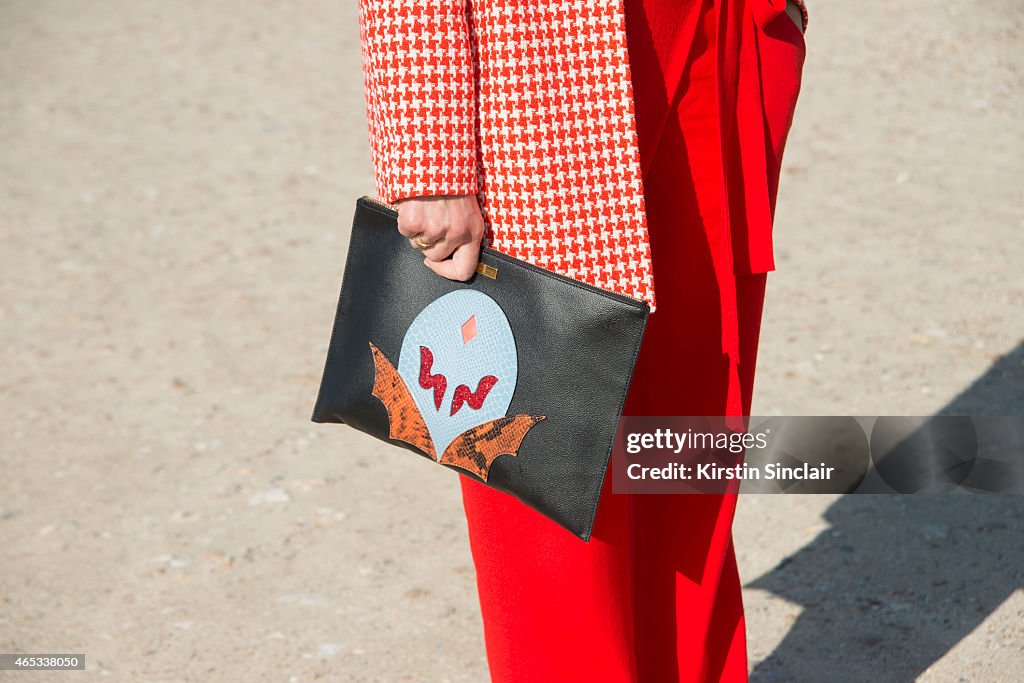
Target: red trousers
(655, 596)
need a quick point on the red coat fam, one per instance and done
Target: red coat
(551, 150)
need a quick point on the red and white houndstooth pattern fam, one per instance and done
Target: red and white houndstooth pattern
(551, 150)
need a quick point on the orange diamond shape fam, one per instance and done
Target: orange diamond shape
(469, 330)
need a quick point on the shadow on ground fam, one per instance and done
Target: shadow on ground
(944, 563)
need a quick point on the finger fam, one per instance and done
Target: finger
(460, 266)
(409, 227)
(445, 246)
(437, 251)
(432, 236)
(428, 237)
(410, 219)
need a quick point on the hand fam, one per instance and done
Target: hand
(451, 227)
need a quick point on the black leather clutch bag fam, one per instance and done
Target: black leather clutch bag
(516, 377)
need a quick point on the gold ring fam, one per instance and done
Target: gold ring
(420, 244)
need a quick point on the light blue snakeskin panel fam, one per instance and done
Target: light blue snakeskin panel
(463, 357)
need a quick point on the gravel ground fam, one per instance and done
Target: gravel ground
(176, 181)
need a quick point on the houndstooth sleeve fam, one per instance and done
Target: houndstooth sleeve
(420, 97)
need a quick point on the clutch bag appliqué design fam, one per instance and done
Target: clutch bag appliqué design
(515, 377)
(456, 374)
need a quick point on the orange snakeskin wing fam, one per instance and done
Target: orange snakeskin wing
(405, 422)
(476, 448)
